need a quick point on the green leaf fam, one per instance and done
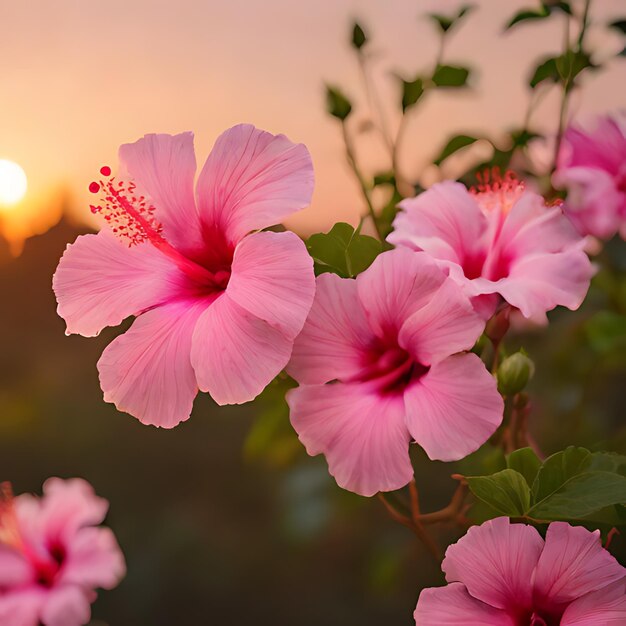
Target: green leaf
(384, 178)
(528, 14)
(450, 76)
(570, 64)
(446, 22)
(343, 251)
(336, 103)
(619, 25)
(412, 91)
(546, 70)
(609, 462)
(526, 462)
(359, 38)
(606, 331)
(506, 492)
(454, 144)
(581, 496)
(558, 469)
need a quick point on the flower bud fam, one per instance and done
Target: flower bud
(514, 374)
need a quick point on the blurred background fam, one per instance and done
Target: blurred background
(225, 519)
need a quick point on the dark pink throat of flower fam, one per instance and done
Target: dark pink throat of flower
(389, 368)
(131, 217)
(46, 563)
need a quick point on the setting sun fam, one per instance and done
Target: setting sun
(12, 183)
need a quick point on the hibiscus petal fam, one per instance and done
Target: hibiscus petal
(593, 200)
(540, 282)
(272, 278)
(532, 227)
(253, 179)
(606, 607)
(495, 561)
(362, 435)
(397, 284)
(236, 355)
(446, 325)
(454, 408)
(574, 563)
(335, 335)
(94, 559)
(68, 505)
(453, 606)
(147, 371)
(100, 281)
(14, 569)
(444, 221)
(66, 606)
(21, 607)
(163, 167)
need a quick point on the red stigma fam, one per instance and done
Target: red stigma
(129, 215)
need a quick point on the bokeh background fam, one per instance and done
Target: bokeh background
(225, 519)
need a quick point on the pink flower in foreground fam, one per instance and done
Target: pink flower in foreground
(53, 555)
(218, 305)
(504, 574)
(500, 242)
(592, 168)
(378, 365)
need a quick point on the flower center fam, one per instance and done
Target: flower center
(495, 192)
(390, 368)
(47, 565)
(131, 217)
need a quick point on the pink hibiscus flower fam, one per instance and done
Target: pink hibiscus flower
(504, 574)
(501, 242)
(378, 365)
(53, 555)
(218, 306)
(592, 167)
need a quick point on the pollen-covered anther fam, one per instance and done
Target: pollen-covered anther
(129, 215)
(497, 192)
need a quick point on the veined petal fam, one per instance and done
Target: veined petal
(362, 434)
(253, 179)
(272, 278)
(397, 284)
(447, 324)
(453, 606)
(573, 563)
(605, 607)
(495, 561)
(335, 334)
(100, 281)
(164, 167)
(14, 569)
(21, 607)
(540, 282)
(445, 221)
(454, 408)
(147, 371)
(235, 355)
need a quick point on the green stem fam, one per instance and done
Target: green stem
(350, 154)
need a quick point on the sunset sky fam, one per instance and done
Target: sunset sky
(79, 77)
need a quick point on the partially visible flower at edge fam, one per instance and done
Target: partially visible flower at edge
(380, 364)
(499, 241)
(53, 555)
(503, 574)
(592, 168)
(218, 306)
